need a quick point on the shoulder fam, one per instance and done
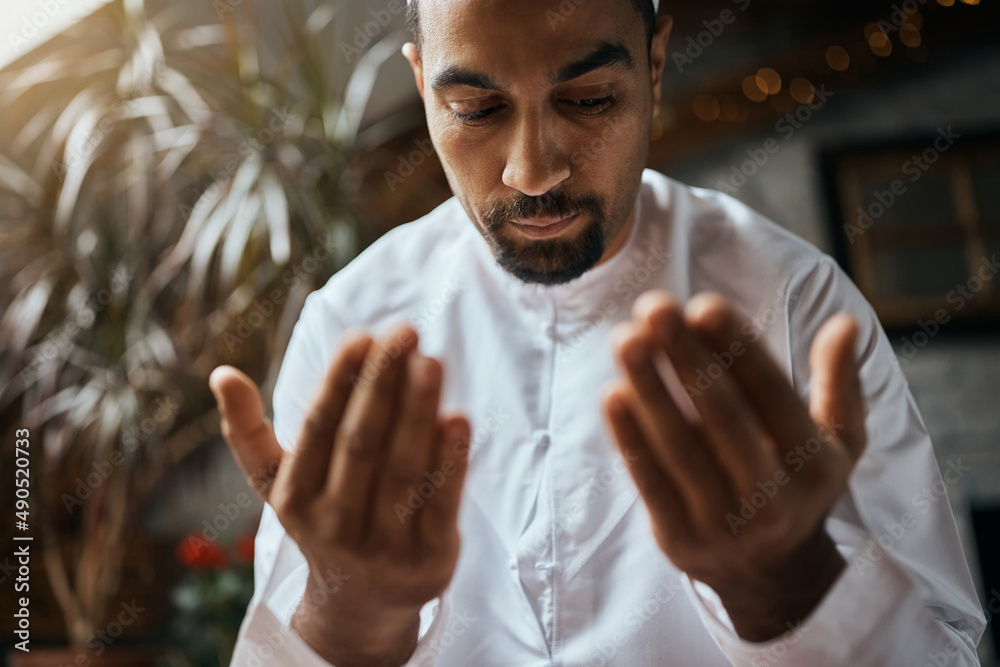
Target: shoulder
(395, 274)
(723, 235)
(720, 244)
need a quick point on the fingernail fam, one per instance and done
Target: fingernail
(212, 385)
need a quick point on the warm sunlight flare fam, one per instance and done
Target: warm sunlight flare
(24, 24)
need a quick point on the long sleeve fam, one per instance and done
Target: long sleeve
(874, 616)
(280, 570)
(906, 596)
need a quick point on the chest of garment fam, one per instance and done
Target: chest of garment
(558, 564)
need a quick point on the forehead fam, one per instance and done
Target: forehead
(515, 41)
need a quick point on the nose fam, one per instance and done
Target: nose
(536, 162)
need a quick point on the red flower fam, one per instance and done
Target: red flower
(198, 553)
(244, 548)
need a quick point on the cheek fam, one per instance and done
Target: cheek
(630, 147)
(470, 161)
(464, 164)
(606, 149)
(627, 155)
(468, 152)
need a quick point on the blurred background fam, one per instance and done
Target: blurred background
(176, 177)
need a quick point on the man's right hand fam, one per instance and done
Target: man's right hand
(371, 435)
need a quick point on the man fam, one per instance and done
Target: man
(644, 426)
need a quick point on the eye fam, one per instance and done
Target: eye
(590, 106)
(478, 117)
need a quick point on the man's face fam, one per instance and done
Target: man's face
(541, 120)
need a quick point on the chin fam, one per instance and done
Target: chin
(551, 261)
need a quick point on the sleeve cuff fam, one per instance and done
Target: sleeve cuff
(869, 608)
(266, 640)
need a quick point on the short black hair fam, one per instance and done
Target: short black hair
(644, 7)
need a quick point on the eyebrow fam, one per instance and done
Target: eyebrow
(453, 76)
(605, 54)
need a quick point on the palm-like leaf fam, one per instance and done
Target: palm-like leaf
(158, 184)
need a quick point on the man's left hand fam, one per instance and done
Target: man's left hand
(737, 471)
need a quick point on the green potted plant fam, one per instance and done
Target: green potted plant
(157, 195)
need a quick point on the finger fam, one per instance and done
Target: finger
(732, 428)
(438, 518)
(802, 447)
(764, 383)
(309, 462)
(362, 436)
(836, 399)
(246, 429)
(666, 504)
(680, 452)
(408, 466)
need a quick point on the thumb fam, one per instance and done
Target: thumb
(836, 401)
(246, 428)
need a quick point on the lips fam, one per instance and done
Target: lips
(543, 227)
(538, 222)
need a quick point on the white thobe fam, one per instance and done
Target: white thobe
(558, 563)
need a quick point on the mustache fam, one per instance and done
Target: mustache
(551, 204)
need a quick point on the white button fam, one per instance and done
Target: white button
(541, 438)
(541, 566)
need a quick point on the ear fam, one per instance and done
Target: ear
(412, 55)
(658, 57)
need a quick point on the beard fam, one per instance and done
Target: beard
(548, 261)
